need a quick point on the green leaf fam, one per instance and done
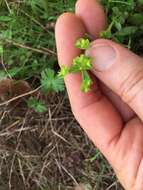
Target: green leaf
(1, 50)
(3, 75)
(38, 106)
(11, 72)
(5, 18)
(51, 82)
(141, 2)
(14, 71)
(118, 25)
(6, 34)
(127, 31)
(136, 19)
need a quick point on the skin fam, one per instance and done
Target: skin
(116, 94)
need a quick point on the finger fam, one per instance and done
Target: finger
(126, 112)
(121, 70)
(93, 16)
(91, 109)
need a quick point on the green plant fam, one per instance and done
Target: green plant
(27, 49)
(26, 39)
(38, 106)
(81, 64)
(51, 82)
(125, 23)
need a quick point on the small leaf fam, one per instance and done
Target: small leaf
(118, 25)
(5, 18)
(1, 50)
(126, 31)
(14, 71)
(136, 19)
(3, 75)
(38, 106)
(6, 34)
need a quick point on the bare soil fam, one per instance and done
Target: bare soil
(49, 151)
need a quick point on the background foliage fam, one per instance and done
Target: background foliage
(37, 151)
(27, 44)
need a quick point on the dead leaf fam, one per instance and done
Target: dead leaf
(11, 88)
(83, 187)
(79, 187)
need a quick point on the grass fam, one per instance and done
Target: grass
(49, 151)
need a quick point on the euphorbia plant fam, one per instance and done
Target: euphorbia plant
(82, 64)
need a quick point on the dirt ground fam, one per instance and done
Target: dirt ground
(49, 151)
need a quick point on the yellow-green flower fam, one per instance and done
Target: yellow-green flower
(82, 62)
(83, 43)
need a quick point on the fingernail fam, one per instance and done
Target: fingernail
(103, 56)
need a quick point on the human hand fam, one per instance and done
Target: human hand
(112, 117)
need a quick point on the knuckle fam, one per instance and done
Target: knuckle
(94, 96)
(131, 86)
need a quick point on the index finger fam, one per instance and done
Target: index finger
(94, 112)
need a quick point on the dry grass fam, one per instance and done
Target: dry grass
(50, 151)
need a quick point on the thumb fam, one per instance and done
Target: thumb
(121, 70)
